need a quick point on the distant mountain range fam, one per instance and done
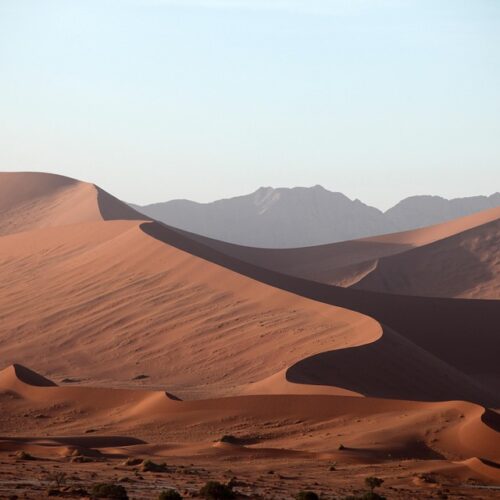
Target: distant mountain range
(297, 217)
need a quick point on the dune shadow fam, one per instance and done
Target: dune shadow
(448, 329)
(79, 441)
(391, 367)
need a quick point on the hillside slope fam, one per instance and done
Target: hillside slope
(464, 265)
(30, 200)
(346, 263)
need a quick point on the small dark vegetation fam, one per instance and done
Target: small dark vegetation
(58, 479)
(213, 490)
(170, 495)
(366, 496)
(131, 461)
(427, 477)
(109, 490)
(80, 459)
(373, 482)
(306, 495)
(150, 466)
(24, 455)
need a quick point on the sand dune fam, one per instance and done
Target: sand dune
(31, 200)
(464, 265)
(460, 426)
(118, 311)
(433, 324)
(346, 263)
(116, 303)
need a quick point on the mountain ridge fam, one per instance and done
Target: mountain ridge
(306, 216)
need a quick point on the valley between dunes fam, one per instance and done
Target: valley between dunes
(122, 337)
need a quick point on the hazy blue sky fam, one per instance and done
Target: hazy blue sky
(160, 99)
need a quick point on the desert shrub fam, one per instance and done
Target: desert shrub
(57, 478)
(170, 495)
(367, 496)
(109, 490)
(24, 455)
(150, 466)
(373, 482)
(131, 461)
(213, 490)
(306, 495)
(82, 460)
(371, 495)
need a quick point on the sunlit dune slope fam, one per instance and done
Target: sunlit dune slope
(104, 300)
(31, 200)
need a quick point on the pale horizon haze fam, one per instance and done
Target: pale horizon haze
(157, 99)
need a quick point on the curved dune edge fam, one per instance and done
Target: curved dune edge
(479, 466)
(430, 324)
(462, 265)
(33, 200)
(111, 273)
(239, 318)
(346, 262)
(373, 427)
(130, 401)
(300, 329)
(470, 467)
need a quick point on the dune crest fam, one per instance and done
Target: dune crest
(15, 374)
(31, 200)
(346, 263)
(463, 265)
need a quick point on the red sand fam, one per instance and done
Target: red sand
(89, 299)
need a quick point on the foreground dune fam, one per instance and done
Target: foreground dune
(368, 428)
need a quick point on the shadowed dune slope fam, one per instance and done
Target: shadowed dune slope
(346, 262)
(31, 200)
(449, 329)
(464, 265)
